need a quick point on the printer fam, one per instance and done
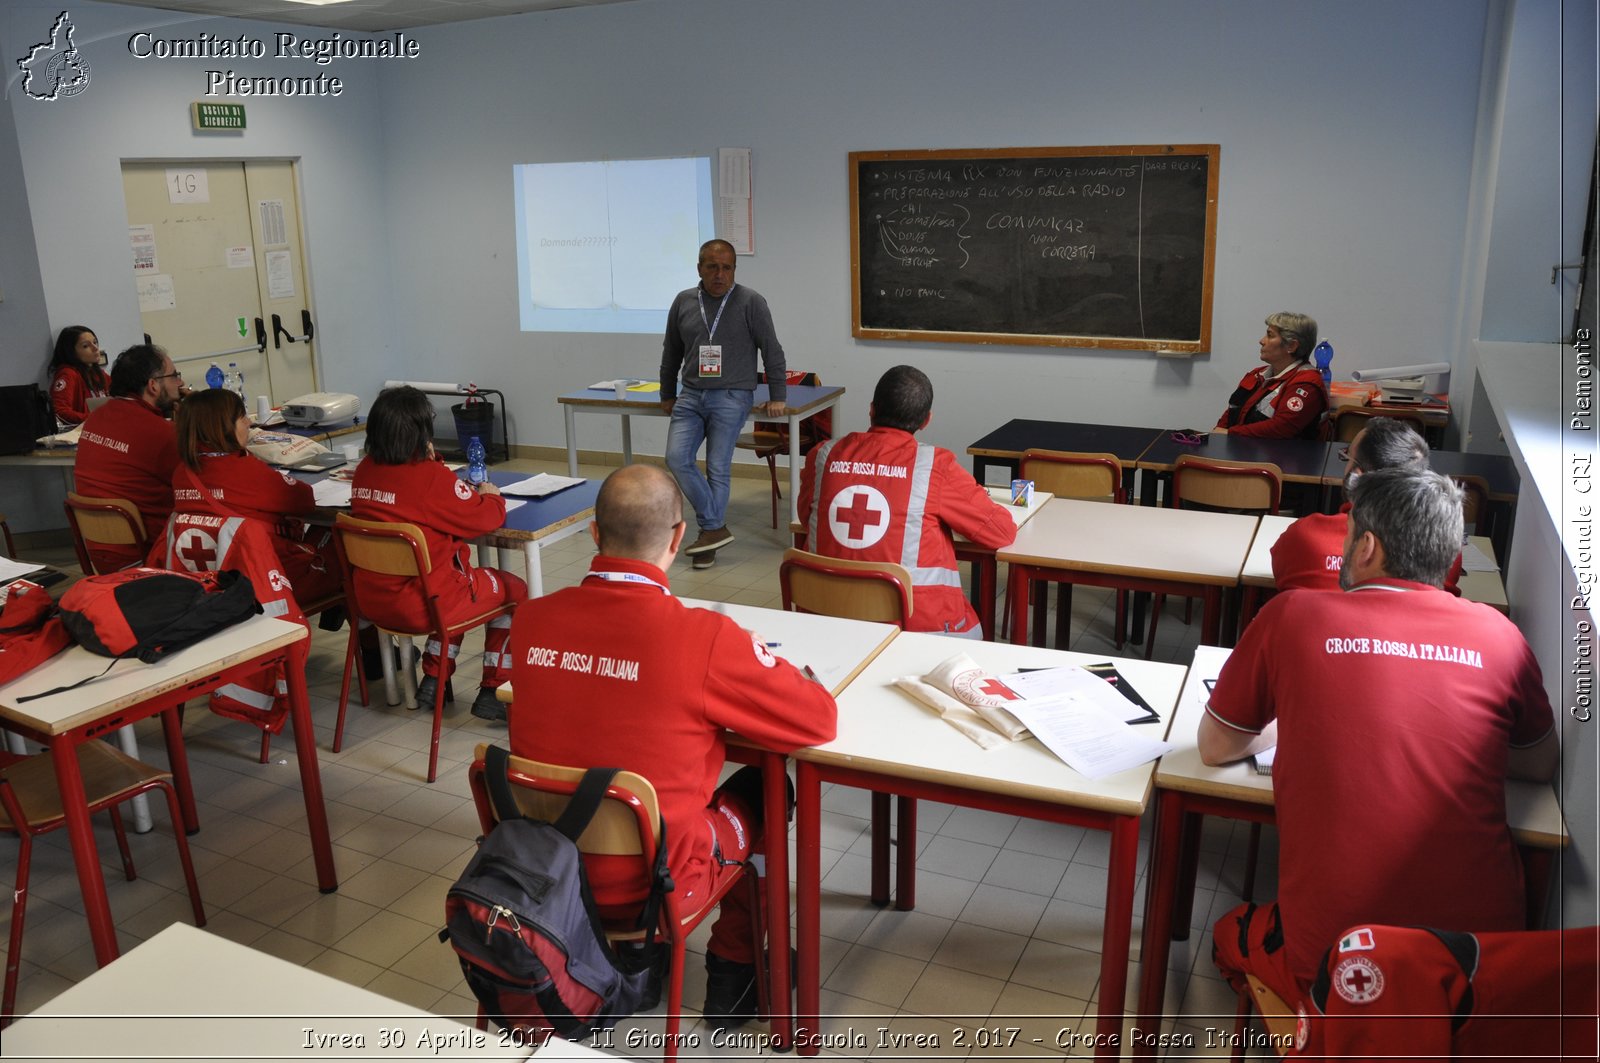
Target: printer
(321, 407)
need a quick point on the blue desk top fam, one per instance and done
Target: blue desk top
(537, 517)
(799, 398)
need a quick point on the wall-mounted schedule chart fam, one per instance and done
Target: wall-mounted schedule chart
(1072, 247)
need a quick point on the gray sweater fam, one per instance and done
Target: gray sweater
(745, 328)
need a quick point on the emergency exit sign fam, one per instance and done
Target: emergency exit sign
(209, 116)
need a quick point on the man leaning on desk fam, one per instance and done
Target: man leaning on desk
(1398, 712)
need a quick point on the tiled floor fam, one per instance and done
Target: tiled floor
(1005, 936)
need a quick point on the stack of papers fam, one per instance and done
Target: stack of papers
(10, 570)
(332, 493)
(541, 485)
(1475, 560)
(611, 385)
(69, 438)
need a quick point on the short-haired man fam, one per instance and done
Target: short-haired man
(879, 495)
(617, 672)
(128, 447)
(1310, 552)
(1398, 712)
(714, 331)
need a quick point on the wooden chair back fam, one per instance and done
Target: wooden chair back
(1348, 421)
(1474, 500)
(1074, 474)
(543, 790)
(1277, 1016)
(384, 547)
(102, 522)
(878, 591)
(1238, 486)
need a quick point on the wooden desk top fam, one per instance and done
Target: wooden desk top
(1531, 808)
(884, 730)
(1302, 460)
(189, 994)
(1187, 545)
(835, 649)
(130, 682)
(1015, 436)
(800, 398)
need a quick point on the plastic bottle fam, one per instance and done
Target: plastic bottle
(477, 464)
(236, 379)
(214, 378)
(1322, 358)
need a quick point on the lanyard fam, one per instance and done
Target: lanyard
(627, 577)
(711, 329)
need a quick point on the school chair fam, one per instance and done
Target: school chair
(1348, 421)
(1072, 474)
(103, 522)
(1215, 484)
(30, 805)
(1474, 502)
(1276, 1016)
(627, 824)
(768, 439)
(880, 592)
(396, 549)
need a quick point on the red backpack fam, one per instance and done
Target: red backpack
(29, 632)
(148, 614)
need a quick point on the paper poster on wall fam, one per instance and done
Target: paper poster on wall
(188, 186)
(273, 231)
(241, 257)
(735, 216)
(280, 275)
(142, 242)
(155, 292)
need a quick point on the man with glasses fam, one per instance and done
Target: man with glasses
(1310, 552)
(128, 448)
(616, 672)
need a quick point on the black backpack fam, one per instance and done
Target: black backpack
(24, 417)
(523, 922)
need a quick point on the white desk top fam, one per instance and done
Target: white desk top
(834, 649)
(885, 730)
(1531, 808)
(186, 993)
(130, 682)
(1154, 542)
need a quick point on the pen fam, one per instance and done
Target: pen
(773, 645)
(809, 674)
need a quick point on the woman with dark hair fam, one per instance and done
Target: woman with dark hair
(402, 480)
(76, 375)
(216, 474)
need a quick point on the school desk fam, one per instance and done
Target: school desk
(190, 994)
(1006, 444)
(542, 522)
(132, 692)
(889, 742)
(802, 401)
(1187, 789)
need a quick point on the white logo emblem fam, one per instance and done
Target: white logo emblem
(463, 490)
(1295, 404)
(197, 550)
(1358, 980)
(55, 69)
(763, 654)
(278, 581)
(61, 384)
(858, 516)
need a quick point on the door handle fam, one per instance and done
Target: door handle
(261, 336)
(279, 331)
(305, 325)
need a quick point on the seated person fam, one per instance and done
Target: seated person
(217, 474)
(668, 682)
(128, 448)
(76, 376)
(1285, 398)
(879, 495)
(1398, 713)
(1310, 552)
(402, 480)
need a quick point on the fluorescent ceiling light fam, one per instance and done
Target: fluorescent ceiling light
(319, 3)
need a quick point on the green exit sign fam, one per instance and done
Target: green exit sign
(217, 115)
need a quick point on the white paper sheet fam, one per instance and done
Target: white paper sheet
(331, 493)
(513, 503)
(541, 485)
(10, 570)
(1079, 683)
(1091, 742)
(1475, 560)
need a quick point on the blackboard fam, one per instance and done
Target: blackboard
(1072, 247)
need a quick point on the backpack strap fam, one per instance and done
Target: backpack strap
(573, 819)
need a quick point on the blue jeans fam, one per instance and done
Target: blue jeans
(714, 417)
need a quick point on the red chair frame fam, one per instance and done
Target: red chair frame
(1040, 589)
(121, 507)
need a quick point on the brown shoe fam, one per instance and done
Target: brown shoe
(710, 539)
(705, 560)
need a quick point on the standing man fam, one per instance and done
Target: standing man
(879, 495)
(129, 449)
(618, 672)
(713, 333)
(1398, 712)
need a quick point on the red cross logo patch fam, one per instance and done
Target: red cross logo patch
(277, 580)
(61, 383)
(197, 550)
(980, 688)
(463, 490)
(858, 516)
(1295, 403)
(1358, 980)
(763, 654)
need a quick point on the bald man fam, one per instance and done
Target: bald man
(616, 672)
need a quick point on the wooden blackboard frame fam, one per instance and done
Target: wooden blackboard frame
(1175, 346)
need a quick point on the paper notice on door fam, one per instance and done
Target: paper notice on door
(735, 216)
(273, 231)
(280, 275)
(241, 257)
(155, 293)
(142, 242)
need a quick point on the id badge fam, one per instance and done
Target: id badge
(711, 360)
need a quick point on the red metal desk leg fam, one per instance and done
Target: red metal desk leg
(1188, 869)
(178, 760)
(75, 810)
(1155, 937)
(775, 791)
(1118, 932)
(305, 748)
(1017, 583)
(905, 887)
(985, 569)
(808, 916)
(1211, 625)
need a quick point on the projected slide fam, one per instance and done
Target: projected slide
(604, 246)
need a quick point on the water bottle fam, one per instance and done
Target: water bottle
(477, 465)
(1322, 357)
(236, 379)
(214, 378)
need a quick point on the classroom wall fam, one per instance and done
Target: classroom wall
(1347, 133)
